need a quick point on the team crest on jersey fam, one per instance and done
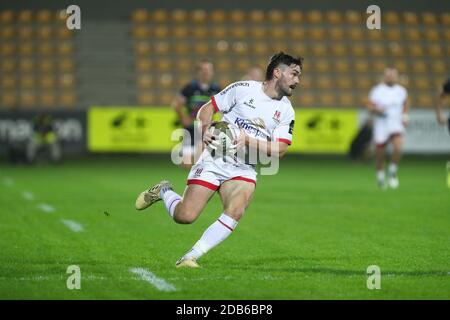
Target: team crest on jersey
(250, 103)
(198, 172)
(277, 116)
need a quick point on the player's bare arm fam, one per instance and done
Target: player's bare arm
(442, 97)
(372, 107)
(204, 116)
(405, 114)
(271, 148)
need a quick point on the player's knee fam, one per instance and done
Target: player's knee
(235, 212)
(185, 216)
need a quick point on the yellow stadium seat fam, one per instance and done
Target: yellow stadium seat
(46, 65)
(307, 99)
(139, 16)
(243, 65)
(375, 34)
(67, 99)
(379, 65)
(419, 66)
(165, 80)
(201, 48)
(166, 98)
(27, 99)
(338, 49)
(219, 32)
(8, 48)
(7, 33)
(198, 16)
(316, 34)
(7, 65)
(66, 65)
(143, 65)
(447, 34)
(438, 66)
(426, 100)
(327, 99)
(358, 50)
(218, 16)
(305, 82)
(322, 65)
(377, 50)
(223, 65)
(400, 65)
(240, 47)
(44, 33)
(238, 32)
(44, 16)
(67, 81)
(26, 65)
(47, 99)
(25, 16)
(300, 49)
(144, 81)
(261, 48)
(314, 16)
(140, 32)
(361, 65)
(47, 81)
(346, 99)
(163, 65)
(362, 99)
(6, 16)
(334, 17)
(275, 16)
(45, 49)
(429, 18)
(180, 31)
(353, 17)
(8, 99)
(422, 83)
(435, 50)
(356, 33)
(221, 47)
(432, 34)
(8, 82)
(237, 16)
(179, 16)
(161, 31)
(394, 34)
(162, 47)
(363, 83)
(319, 49)
(257, 16)
(199, 32)
(336, 33)
(410, 18)
(159, 16)
(184, 65)
(413, 34)
(258, 33)
(445, 18)
(344, 82)
(181, 48)
(391, 17)
(416, 50)
(397, 50)
(65, 48)
(297, 33)
(342, 65)
(277, 32)
(63, 33)
(146, 98)
(25, 33)
(26, 48)
(324, 82)
(60, 17)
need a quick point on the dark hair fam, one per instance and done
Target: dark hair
(281, 58)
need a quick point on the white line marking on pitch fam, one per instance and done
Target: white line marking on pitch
(148, 276)
(72, 225)
(8, 182)
(27, 195)
(46, 207)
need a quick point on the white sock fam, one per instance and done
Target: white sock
(171, 199)
(393, 168)
(215, 234)
(380, 175)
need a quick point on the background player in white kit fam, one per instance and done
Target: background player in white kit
(388, 101)
(266, 119)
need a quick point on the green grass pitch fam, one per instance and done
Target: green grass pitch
(310, 233)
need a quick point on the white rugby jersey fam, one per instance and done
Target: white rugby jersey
(390, 99)
(245, 105)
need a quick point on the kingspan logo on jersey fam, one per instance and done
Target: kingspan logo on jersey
(255, 127)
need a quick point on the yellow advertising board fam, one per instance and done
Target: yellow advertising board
(129, 129)
(324, 130)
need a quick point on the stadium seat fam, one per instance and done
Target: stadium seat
(275, 16)
(314, 16)
(426, 100)
(258, 33)
(67, 99)
(374, 34)
(342, 65)
(297, 33)
(7, 33)
(237, 16)
(66, 81)
(7, 49)
(353, 17)
(419, 66)
(356, 33)
(379, 65)
(8, 82)
(327, 99)
(63, 33)
(295, 17)
(429, 18)
(394, 34)
(261, 48)
(180, 31)
(324, 82)
(334, 17)
(358, 50)
(316, 34)
(336, 33)
(377, 50)
(400, 65)
(44, 16)
(432, 34)
(66, 65)
(410, 18)
(6, 17)
(25, 33)
(8, 99)
(139, 16)
(201, 48)
(338, 49)
(416, 50)
(396, 50)
(165, 80)
(445, 18)
(7, 65)
(179, 16)
(47, 99)
(165, 99)
(26, 48)
(27, 99)
(435, 50)
(222, 47)
(322, 65)
(46, 65)
(223, 65)
(346, 99)
(47, 81)
(277, 32)
(319, 49)
(144, 81)
(305, 82)
(159, 16)
(198, 16)
(391, 17)
(421, 83)
(25, 16)
(65, 48)
(361, 65)
(140, 32)
(26, 65)
(257, 16)
(146, 98)
(199, 33)
(218, 16)
(160, 32)
(45, 49)
(438, 66)
(240, 47)
(162, 47)
(413, 34)
(307, 99)
(364, 83)
(238, 32)
(44, 33)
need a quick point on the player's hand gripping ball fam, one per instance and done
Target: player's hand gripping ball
(225, 136)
